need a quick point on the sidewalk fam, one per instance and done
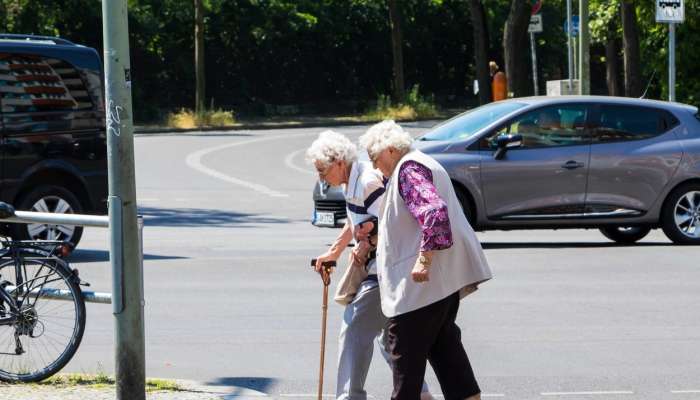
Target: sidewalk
(190, 391)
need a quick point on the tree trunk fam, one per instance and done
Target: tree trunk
(200, 104)
(630, 45)
(515, 47)
(612, 68)
(397, 51)
(481, 50)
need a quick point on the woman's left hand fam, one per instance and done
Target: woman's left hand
(420, 272)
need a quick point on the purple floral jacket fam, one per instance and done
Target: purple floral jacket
(423, 202)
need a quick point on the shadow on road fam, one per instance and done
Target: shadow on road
(87, 256)
(238, 385)
(197, 217)
(565, 245)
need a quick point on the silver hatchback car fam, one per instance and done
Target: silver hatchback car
(624, 166)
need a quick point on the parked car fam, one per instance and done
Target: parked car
(624, 166)
(54, 154)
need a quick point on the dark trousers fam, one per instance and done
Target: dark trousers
(429, 333)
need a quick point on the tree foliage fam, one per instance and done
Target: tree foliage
(335, 55)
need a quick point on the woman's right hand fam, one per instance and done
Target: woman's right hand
(327, 256)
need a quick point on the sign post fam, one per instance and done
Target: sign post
(535, 27)
(125, 250)
(568, 42)
(671, 12)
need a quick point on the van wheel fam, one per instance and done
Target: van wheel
(625, 234)
(52, 199)
(680, 217)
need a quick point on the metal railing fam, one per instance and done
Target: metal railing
(8, 214)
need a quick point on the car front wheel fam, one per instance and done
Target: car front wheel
(49, 199)
(680, 218)
(625, 234)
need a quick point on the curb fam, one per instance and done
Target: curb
(271, 125)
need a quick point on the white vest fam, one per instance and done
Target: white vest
(458, 268)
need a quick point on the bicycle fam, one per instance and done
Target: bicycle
(42, 310)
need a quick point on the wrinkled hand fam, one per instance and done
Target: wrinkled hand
(358, 256)
(363, 230)
(323, 258)
(420, 272)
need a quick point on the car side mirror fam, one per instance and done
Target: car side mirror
(505, 142)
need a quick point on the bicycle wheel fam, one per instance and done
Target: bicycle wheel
(47, 331)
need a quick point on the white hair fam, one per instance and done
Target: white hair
(331, 146)
(383, 135)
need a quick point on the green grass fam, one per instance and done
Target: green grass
(104, 381)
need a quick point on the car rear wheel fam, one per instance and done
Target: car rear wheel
(625, 234)
(50, 199)
(680, 218)
(466, 204)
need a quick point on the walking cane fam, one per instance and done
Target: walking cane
(327, 266)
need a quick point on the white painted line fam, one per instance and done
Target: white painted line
(289, 162)
(591, 393)
(194, 161)
(482, 395)
(147, 199)
(306, 395)
(685, 391)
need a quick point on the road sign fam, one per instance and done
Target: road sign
(575, 23)
(535, 24)
(671, 11)
(536, 6)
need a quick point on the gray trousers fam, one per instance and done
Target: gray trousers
(363, 322)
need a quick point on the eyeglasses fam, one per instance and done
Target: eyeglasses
(324, 172)
(373, 157)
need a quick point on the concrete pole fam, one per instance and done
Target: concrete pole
(568, 42)
(584, 49)
(533, 49)
(671, 62)
(127, 274)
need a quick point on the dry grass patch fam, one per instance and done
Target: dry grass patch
(188, 119)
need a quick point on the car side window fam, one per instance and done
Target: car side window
(623, 123)
(36, 92)
(561, 125)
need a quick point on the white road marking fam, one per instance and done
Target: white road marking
(194, 161)
(147, 199)
(591, 393)
(289, 162)
(482, 395)
(685, 391)
(307, 395)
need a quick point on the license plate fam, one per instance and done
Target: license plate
(325, 218)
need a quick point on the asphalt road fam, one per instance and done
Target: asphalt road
(230, 300)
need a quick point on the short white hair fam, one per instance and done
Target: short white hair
(383, 135)
(331, 146)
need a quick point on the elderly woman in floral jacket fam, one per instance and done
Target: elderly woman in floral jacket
(428, 259)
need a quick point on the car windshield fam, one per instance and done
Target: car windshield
(471, 122)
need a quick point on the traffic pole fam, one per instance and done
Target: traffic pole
(569, 30)
(671, 62)
(533, 49)
(125, 254)
(584, 49)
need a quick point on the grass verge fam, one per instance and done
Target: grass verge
(188, 119)
(415, 106)
(104, 381)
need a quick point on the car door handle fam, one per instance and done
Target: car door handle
(572, 165)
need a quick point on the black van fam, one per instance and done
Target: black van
(53, 152)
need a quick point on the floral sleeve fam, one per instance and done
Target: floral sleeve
(430, 210)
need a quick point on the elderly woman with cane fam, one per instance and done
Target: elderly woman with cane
(428, 259)
(335, 159)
